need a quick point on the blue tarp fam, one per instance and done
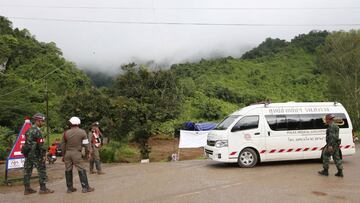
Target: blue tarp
(199, 126)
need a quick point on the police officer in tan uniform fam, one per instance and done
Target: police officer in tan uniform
(95, 139)
(72, 142)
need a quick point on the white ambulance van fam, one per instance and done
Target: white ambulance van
(277, 131)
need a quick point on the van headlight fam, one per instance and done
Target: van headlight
(221, 143)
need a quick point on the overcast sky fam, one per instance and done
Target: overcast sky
(105, 34)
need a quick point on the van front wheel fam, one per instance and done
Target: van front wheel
(247, 158)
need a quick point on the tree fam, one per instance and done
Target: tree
(100, 79)
(7, 138)
(5, 26)
(310, 41)
(25, 63)
(339, 59)
(152, 97)
(89, 106)
(266, 48)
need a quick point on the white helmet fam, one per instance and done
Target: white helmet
(75, 120)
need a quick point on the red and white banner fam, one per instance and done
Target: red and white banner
(16, 159)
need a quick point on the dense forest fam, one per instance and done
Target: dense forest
(142, 102)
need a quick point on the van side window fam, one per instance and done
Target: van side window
(246, 123)
(308, 121)
(315, 121)
(293, 122)
(303, 121)
(277, 122)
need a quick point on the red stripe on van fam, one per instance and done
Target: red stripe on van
(298, 149)
(313, 149)
(281, 150)
(289, 150)
(307, 148)
(347, 146)
(263, 151)
(232, 153)
(340, 146)
(273, 150)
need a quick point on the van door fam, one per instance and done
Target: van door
(283, 142)
(247, 132)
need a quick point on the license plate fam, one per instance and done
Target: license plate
(53, 157)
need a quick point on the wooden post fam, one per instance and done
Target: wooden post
(47, 113)
(178, 156)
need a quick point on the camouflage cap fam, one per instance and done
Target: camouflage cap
(39, 116)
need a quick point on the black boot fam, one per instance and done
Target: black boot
(28, 190)
(84, 182)
(69, 181)
(92, 166)
(339, 173)
(98, 167)
(324, 172)
(45, 190)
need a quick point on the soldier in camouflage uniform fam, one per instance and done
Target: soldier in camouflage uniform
(35, 156)
(332, 141)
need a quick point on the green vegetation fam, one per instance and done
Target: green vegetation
(140, 103)
(25, 61)
(7, 137)
(119, 152)
(339, 60)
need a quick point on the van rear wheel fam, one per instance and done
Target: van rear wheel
(248, 158)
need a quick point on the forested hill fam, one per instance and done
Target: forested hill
(276, 71)
(25, 63)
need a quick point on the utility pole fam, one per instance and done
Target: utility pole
(47, 113)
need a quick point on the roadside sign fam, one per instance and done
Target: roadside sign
(16, 159)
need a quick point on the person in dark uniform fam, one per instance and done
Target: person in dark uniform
(72, 142)
(332, 148)
(35, 155)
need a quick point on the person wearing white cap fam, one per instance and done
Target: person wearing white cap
(72, 142)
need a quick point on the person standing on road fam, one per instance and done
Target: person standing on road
(95, 139)
(71, 145)
(332, 148)
(35, 155)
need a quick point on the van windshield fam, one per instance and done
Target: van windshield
(226, 122)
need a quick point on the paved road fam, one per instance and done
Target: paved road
(207, 181)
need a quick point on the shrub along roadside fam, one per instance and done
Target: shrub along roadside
(119, 152)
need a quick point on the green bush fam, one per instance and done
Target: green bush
(119, 152)
(107, 154)
(7, 138)
(126, 154)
